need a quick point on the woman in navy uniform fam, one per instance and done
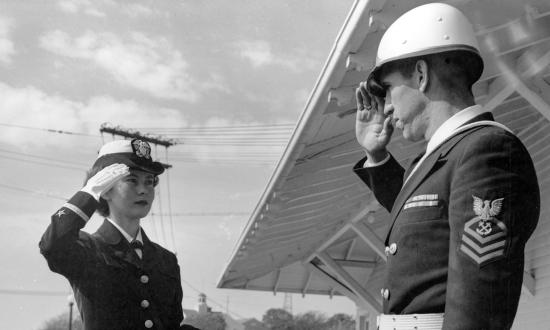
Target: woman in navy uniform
(120, 278)
(463, 210)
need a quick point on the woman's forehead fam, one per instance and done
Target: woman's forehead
(140, 173)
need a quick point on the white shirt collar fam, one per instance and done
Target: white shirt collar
(448, 127)
(125, 234)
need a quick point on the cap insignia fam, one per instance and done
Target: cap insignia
(141, 148)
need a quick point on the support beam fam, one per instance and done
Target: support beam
(306, 284)
(350, 248)
(502, 87)
(521, 87)
(277, 280)
(371, 238)
(528, 286)
(332, 281)
(355, 263)
(366, 298)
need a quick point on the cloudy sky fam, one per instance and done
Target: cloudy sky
(226, 79)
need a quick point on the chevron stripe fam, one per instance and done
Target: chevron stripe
(76, 210)
(483, 240)
(483, 259)
(479, 249)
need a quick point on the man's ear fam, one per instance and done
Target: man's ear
(422, 76)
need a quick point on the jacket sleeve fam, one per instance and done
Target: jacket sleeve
(493, 209)
(384, 181)
(61, 243)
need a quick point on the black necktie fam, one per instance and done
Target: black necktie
(137, 246)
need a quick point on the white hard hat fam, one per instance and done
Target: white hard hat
(427, 29)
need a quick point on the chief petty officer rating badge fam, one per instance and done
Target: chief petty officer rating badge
(484, 237)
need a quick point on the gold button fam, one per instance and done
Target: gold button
(387, 251)
(148, 324)
(144, 279)
(145, 303)
(393, 248)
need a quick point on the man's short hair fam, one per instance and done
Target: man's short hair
(455, 69)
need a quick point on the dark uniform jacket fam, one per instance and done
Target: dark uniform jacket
(113, 287)
(458, 228)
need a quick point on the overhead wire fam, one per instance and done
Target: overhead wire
(172, 229)
(159, 203)
(37, 192)
(49, 130)
(21, 292)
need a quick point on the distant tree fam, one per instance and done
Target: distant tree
(207, 321)
(310, 321)
(340, 322)
(61, 322)
(278, 319)
(253, 324)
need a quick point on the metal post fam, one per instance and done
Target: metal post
(70, 299)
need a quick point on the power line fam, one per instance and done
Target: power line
(33, 192)
(20, 292)
(43, 163)
(206, 214)
(41, 157)
(291, 125)
(49, 130)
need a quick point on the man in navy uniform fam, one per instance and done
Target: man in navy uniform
(463, 210)
(120, 278)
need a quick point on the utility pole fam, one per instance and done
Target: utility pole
(155, 140)
(129, 133)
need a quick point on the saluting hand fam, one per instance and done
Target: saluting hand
(373, 129)
(104, 180)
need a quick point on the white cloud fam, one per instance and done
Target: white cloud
(260, 54)
(144, 63)
(7, 49)
(32, 107)
(137, 10)
(77, 6)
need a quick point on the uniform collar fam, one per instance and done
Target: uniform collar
(448, 127)
(125, 234)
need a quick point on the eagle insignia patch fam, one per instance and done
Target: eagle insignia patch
(484, 236)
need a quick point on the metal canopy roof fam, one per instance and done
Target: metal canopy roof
(317, 228)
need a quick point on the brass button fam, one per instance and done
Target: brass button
(148, 324)
(393, 248)
(386, 294)
(144, 303)
(387, 251)
(144, 279)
